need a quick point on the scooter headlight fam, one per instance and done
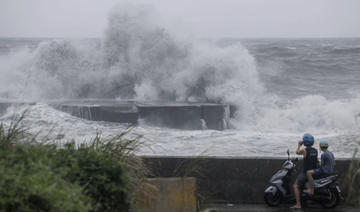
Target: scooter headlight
(288, 165)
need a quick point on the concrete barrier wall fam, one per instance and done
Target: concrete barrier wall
(229, 180)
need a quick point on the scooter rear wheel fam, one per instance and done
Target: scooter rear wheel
(272, 199)
(332, 201)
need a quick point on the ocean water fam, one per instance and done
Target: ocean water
(283, 88)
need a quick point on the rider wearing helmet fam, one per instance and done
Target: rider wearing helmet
(326, 166)
(310, 162)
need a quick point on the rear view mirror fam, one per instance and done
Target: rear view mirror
(288, 153)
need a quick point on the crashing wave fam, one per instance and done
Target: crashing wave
(139, 59)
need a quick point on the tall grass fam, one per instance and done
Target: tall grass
(123, 148)
(353, 179)
(13, 134)
(101, 175)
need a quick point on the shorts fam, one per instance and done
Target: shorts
(301, 179)
(318, 172)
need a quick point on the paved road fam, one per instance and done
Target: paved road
(282, 208)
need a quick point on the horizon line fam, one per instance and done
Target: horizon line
(201, 38)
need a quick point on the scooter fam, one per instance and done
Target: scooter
(326, 191)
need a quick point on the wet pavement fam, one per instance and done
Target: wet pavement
(281, 208)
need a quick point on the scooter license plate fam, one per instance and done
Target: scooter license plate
(338, 189)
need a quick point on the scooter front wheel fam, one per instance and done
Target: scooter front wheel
(273, 199)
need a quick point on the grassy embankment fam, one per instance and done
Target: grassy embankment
(102, 175)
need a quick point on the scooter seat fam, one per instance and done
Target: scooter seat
(324, 181)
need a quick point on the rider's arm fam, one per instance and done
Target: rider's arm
(300, 151)
(322, 160)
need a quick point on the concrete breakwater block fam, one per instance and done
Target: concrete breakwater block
(173, 116)
(216, 116)
(116, 114)
(192, 116)
(167, 194)
(178, 115)
(120, 113)
(4, 105)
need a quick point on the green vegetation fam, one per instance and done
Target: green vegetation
(101, 175)
(353, 179)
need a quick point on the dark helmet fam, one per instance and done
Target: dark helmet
(308, 139)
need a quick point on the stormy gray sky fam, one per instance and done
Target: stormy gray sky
(203, 18)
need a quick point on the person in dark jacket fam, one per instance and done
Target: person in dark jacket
(310, 162)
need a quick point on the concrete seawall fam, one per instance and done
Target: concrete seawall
(229, 180)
